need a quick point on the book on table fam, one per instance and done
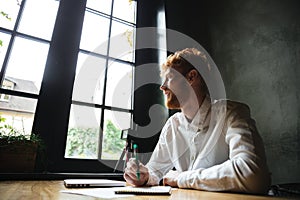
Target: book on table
(154, 190)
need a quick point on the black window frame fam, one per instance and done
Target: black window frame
(55, 97)
(46, 116)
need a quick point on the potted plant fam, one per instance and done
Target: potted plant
(17, 151)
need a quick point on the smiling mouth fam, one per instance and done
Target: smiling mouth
(168, 94)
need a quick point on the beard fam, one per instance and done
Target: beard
(172, 101)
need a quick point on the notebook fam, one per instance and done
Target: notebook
(154, 190)
(78, 183)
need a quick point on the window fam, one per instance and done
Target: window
(102, 94)
(72, 63)
(25, 32)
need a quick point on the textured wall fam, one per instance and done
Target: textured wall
(256, 45)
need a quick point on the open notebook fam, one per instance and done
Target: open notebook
(154, 190)
(78, 183)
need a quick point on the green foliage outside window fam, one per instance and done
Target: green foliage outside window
(112, 144)
(7, 17)
(83, 142)
(4, 14)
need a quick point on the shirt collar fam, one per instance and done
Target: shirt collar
(200, 117)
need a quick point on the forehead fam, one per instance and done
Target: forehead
(170, 71)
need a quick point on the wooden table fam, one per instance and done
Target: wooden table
(51, 190)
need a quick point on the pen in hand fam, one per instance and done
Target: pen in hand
(135, 150)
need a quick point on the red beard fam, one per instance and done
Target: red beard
(172, 101)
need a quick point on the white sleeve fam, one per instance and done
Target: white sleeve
(244, 171)
(159, 163)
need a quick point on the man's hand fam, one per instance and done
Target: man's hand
(130, 173)
(171, 178)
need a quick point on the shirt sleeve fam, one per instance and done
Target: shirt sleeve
(160, 161)
(245, 170)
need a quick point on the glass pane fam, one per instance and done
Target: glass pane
(119, 85)
(83, 132)
(125, 9)
(10, 11)
(100, 5)
(18, 113)
(5, 41)
(26, 65)
(114, 123)
(122, 41)
(38, 18)
(89, 79)
(94, 33)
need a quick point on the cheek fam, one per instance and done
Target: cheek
(178, 86)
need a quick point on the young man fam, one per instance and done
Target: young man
(212, 145)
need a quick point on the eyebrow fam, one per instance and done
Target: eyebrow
(168, 73)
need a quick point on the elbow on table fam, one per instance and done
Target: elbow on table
(253, 178)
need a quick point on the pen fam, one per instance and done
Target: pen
(135, 149)
(126, 154)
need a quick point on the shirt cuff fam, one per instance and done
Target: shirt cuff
(153, 180)
(186, 179)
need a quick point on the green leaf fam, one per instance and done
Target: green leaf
(5, 15)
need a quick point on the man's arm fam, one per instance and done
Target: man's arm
(160, 162)
(158, 165)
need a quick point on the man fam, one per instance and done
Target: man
(212, 145)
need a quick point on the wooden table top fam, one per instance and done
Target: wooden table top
(50, 189)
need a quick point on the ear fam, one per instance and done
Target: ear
(192, 76)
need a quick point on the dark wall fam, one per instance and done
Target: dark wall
(256, 46)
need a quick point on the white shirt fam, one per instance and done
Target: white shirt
(219, 150)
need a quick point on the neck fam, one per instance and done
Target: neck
(192, 105)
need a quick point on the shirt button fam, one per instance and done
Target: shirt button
(193, 158)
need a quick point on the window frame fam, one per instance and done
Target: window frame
(55, 96)
(108, 58)
(13, 34)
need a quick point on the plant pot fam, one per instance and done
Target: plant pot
(18, 156)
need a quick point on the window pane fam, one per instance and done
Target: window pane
(83, 132)
(11, 8)
(94, 33)
(38, 18)
(18, 112)
(114, 123)
(122, 42)
(89, 80)
(5, 41)
(100, 5)
(26, 64)
(125, 9)
(119, 85)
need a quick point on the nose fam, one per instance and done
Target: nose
(163, 86)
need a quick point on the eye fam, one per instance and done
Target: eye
(169, 76)
(164, 80)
